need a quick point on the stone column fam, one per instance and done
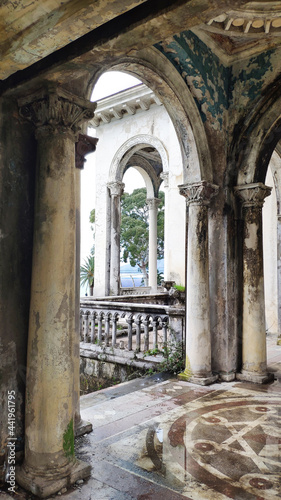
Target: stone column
(279, 272)
(198, 334)
(253, 322)
(84, 145)
(49, 462)
(116, 190)
(153, 204)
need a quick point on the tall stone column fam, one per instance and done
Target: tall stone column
(83, 146)
(49, 462)
(279, 272)
(198, 334)
(253, 323)
(116, 190)
(153, 204)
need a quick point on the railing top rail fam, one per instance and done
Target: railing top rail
(125, 306)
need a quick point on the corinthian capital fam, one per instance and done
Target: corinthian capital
(199, 193)
(252, 195)
(52, 107)
(116, 188)
(153, 203)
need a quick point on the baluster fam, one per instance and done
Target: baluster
(114, 328)
(85, 326)
(165, 330)
(155, 332)
(92, 327)
(146, 333)
(130, 334)
(106, 328)
(100, 316)
(138, 333)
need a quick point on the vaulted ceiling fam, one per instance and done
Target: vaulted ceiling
(36, 36)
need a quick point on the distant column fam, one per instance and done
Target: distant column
(116, 190)
(253, 329)
(198, 333)
(49, 462)
(153, 204)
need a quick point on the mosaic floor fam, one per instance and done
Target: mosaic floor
(189, 442)
(164, 439)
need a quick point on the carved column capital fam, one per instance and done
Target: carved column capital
(116, 188)
(198, 193)
(52, 109)
(252, 195)
(153, 203)
(165, 177)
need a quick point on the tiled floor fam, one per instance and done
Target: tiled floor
(169, 440)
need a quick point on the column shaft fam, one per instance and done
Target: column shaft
(116, 190)
(49, 461)
(198, 334)
(153, 204)
(253, 329)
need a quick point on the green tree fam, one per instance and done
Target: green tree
(134, 237)
(88, 268)
(87, 272)
(92, 220)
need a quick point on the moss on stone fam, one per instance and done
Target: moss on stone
(68, 440)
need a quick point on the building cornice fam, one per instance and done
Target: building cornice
(125, 103)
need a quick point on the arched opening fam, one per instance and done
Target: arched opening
(132, 127)
(259, 189)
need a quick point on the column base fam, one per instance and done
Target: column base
(44, 487)
(82, 428)
(186, 377)
(256, 378)
(227, 377)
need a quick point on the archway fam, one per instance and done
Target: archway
(257, 142)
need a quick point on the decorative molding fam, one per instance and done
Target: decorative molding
(85, 145)
(116, 188)
(252, 195)
(165, 178)
(125, 103)
(199, 193)
(52, 108)
(258, 18)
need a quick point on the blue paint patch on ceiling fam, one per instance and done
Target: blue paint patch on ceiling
(211, 83)
(208, 80)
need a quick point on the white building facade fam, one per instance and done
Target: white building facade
(135, 131)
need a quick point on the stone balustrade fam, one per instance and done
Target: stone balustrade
(133, 327)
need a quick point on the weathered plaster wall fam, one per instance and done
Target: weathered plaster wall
(17, 175)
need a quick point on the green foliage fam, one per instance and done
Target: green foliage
(134, 235)
(87, 271)
(180, 288)
(92, 220)
(174, 357)
(153, 352)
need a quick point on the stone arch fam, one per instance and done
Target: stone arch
(156, 72)
(127, 150)
(257, 140)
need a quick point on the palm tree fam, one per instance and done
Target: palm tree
(87, 273)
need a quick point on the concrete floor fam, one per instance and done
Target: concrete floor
(164, 439)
